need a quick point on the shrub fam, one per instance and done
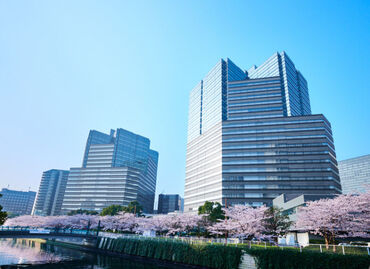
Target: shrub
(292, 259)
(212, 256)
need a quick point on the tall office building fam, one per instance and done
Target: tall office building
(51, 193)
(251, 137)
(17, 203)
(355, 174)
(117, 168)
(169, 203)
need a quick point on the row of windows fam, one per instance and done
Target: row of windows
(273, 178)
(252, 82)
(239, 131)
(272, 153)
(272, 137)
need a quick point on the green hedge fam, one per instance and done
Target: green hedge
(292, 259)
(317, 241)
(212, 256)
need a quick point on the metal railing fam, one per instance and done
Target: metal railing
(45, 231)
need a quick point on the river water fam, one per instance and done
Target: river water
(35, 252)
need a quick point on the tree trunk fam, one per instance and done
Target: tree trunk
(333, 242)
(326, 237)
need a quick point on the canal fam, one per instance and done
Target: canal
(36, 253)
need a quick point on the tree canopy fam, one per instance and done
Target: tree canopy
(343, 216)
(133, 207)
(112, 210)
(240, 221)
(275, 223)
(213, 211)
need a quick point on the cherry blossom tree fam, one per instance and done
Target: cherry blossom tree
(26, 221)
(240, 221)
(121, 222)
(79, 221)
(58, 222)
(160, 224)
(182, 223)
(343, 216)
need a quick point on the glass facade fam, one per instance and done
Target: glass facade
(212, 100)
(118, 168)
(169, 203)
(195, 111)
(261, 140)
(263, 159)
(94, 138)
(355, 174)
(294, 85)
(208, 100)
(51, 193)
(17, 203)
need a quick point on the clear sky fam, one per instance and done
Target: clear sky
(70, 66)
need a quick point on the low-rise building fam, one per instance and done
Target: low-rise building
(289, 206)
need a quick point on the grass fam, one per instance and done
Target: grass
(338, 249)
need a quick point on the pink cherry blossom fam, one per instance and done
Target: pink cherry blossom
(343, 216)
(240, 221)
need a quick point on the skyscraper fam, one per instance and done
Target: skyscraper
(117, 168)
(17, 203)
(51, 193)
(355, 174)
(251, 137)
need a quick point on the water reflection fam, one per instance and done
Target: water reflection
(20, 251)
(34, 252)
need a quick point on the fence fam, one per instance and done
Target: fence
(339, 249)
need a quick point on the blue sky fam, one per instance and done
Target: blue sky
(70, 66)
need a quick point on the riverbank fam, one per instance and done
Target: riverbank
(141, 259)
(177, 254)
